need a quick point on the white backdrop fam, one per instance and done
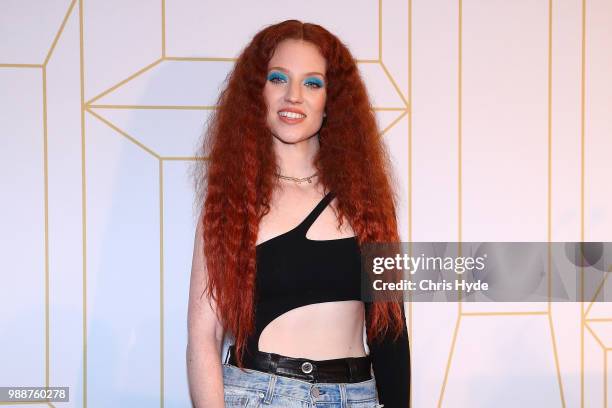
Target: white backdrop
(487, 106)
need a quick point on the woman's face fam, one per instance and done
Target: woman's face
(295, 91)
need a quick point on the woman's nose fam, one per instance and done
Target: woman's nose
(294, 92)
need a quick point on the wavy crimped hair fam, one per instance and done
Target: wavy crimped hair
(235, 181)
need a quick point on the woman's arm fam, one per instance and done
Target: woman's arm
(205, 336)
(391, 364)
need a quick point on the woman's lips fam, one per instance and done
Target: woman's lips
(290, 121)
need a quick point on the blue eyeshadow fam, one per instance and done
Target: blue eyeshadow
(316, 81)
(277, 75)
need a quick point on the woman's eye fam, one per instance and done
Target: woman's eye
(276, 78)
(314, 83)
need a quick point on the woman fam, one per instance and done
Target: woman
(296, 180)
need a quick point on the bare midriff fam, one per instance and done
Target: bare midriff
(319, 331)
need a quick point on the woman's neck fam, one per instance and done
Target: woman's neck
(297, 159)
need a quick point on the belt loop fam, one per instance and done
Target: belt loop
(270, 390)
(343, 399)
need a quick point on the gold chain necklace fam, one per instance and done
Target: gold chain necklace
(297, 180)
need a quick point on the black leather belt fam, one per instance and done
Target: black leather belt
(340, 370)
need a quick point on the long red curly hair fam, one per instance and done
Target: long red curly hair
(237, 178)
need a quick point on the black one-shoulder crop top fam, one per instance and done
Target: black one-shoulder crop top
(294, 271)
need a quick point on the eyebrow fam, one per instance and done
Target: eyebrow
(286, 70)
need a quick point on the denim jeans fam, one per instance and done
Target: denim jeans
(252, 388)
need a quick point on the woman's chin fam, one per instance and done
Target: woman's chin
(292, 138)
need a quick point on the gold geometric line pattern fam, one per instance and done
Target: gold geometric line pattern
(161, 283)
(200, 59)
(90, 103)
(43, 67)
(46, 222)
(203, 107)
(59, 32)
(234, 59)
(125, 134)
(394, 122)
(126, 80)
(410, 127)
(605, 379)
(406, 111)
(595, 336)
(159, 156)
(163, 28)
(46, 188)
(170, 158)
(155, 107)
(449, 361)
(380, 36)
(549, 169)
(53, 44)
(592, 302)
(549, 201)
(460, 124)
(582, 119)
(409, 154)
(380, 56)
(383, 109)
(556, 357)
(46, 216)
(161, 244)
(395, 86)
(547, 313)
(83, 197)
(549, 175)
(519, 313)
(7, 65)
(459, 201)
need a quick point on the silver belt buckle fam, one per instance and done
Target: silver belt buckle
(307, 367)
